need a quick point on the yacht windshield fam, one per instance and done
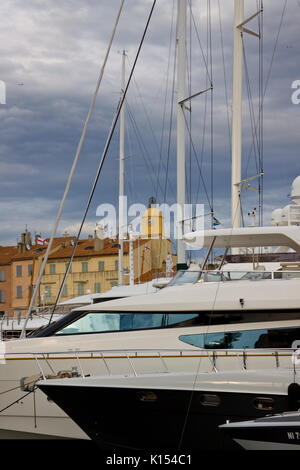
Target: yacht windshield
(192, 277)
(185, 277)
(96, 322)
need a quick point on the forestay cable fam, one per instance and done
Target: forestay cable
(103, 158)
(75, 161)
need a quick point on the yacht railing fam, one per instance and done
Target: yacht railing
(147, 361)
(194, 276)
(11, 326)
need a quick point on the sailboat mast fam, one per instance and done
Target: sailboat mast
(121, 177)
(237, 100)
(181, 127)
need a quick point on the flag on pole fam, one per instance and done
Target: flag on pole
(41, 241)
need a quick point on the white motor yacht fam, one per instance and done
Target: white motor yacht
(204, 310)
(273, 432)
(178, 412)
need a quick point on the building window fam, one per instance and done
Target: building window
(80, 288)
(30, 289)
(2, 276)
(67, 267)
(116, 265)
(19, 270)
(19, 292)
(30, 270)
(47, 291)
(2, 296)
(52, 268)
(84, 267)
(65, 291)
(97, 287)
(101, 266)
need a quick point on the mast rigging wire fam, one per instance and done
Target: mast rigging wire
(200, 45)
(165, 112)
(103, 157)
(72, 171)
(261, 115)
(225, 75)
(272, 61)
(156, 177)
(208, 87)
(200, 171)
(211, 114)
(257, 124)
(255, 141)
(143, 148)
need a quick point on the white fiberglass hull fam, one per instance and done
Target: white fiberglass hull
(35, 414)
(51, 354)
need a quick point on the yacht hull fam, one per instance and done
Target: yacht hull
(37, 415)
(160, 420)
(280, 432)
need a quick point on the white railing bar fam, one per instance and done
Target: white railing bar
(213, 355)
(213, 359)
(131, 365)
(79, 364)
(277, 359)
(163, 361)
(107, 368)
(262, 351)
(40, 368)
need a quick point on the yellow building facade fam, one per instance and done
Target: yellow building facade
(95, 272)
(94, 268)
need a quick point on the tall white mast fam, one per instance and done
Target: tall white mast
(237, 108)
(181, 96)
(240, 28)
(121, 177)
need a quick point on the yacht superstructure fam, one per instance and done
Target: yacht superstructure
(212, 310)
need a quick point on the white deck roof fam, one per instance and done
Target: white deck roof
(246, 237)
(210, 296)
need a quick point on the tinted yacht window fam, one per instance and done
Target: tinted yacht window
(92, 323)
(272, 338)
(79, 322)
(181, 319)
(95, 322)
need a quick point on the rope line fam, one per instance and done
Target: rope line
(17, 401)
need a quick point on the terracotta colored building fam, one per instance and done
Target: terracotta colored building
(6, 254)
(94, 268)
(25, 267)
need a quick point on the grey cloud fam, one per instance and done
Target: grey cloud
(56, 50)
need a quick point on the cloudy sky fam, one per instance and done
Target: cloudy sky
(51, 54)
